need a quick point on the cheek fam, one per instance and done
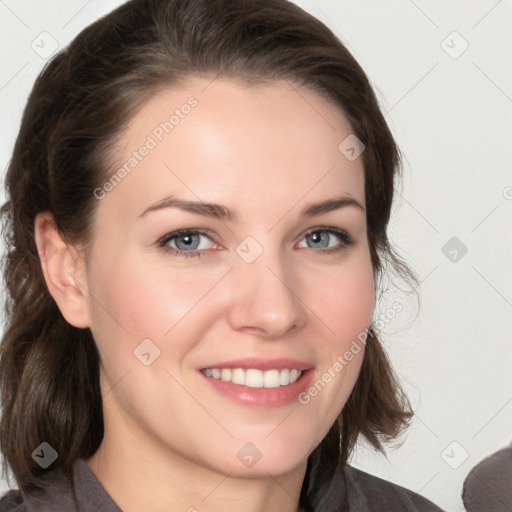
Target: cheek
(345, 308)
(345, 299)
(133, 300)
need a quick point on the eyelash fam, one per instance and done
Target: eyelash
(163, 241)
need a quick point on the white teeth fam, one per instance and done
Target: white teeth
(238, 376)
(271, 379)
(254, 378)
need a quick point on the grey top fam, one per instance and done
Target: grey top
(362, 491)
(488, 487)
(57, 496)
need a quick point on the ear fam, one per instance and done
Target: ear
(64, 271)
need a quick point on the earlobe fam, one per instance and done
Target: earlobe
(63, 269)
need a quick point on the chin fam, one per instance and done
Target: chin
(266, 455)
(275, 467)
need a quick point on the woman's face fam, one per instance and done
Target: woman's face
(266, 290)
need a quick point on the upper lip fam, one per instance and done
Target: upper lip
(262, 364)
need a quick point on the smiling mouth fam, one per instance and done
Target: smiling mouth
(253, 377)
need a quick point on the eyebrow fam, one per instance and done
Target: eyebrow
(221, 212)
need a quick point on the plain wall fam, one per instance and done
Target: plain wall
(450, 109)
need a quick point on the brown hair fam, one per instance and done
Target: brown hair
(79, 105)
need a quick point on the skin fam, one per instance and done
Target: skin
(171, 441)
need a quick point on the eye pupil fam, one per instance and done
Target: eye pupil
(320, 236)
(187, 240)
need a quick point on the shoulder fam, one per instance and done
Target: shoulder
(81, 492)
(45, 496)
(377, 494)
(488, 485)
(12, 501)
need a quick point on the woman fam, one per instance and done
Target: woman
(177, 340)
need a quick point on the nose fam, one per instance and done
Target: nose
(266, 297)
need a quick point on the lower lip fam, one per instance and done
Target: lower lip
(262, 397)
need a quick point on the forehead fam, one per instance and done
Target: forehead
(226, 141)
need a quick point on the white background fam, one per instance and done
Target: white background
(452, 117)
